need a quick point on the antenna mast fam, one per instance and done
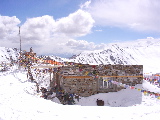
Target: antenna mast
(20, 50)
(20, 39)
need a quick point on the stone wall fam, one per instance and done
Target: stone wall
(89, 79)
(82, 85)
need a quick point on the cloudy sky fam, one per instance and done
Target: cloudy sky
(67, 27)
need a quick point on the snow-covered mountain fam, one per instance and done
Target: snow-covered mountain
(56, 58)
(140, 52)
(8, 54)
(121, 53)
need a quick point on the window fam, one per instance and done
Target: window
(103, 83)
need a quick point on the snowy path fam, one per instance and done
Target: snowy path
(16, 104)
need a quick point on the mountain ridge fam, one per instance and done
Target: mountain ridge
(140, 52)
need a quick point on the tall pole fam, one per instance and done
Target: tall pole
(20, 39)
(20, 47)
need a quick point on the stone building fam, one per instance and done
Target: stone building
(87, 80)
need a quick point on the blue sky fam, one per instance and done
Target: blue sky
(67, 27)
(24, 9)
(109, 35)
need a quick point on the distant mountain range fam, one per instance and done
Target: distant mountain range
(140, 52)
(144, 52)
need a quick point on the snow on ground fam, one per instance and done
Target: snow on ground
(19, 101)
(150, 87)
(115, 99)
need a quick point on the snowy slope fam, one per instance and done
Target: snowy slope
(111, 55)
(56, 58)
(141, 52)
(8, 54)
(16, 103)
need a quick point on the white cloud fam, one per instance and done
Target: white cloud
(76, 24)
(151, 38)
(140, 15)
(46, 35)
(98, 30)
(85, 5)
(8, 27)
(82, 45)
(38, 29)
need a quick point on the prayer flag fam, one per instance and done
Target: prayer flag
(106, 80)
(145, 93)
(139, 89)
(86, 73)
(109, 80)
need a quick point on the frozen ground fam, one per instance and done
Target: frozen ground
(19, 101)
